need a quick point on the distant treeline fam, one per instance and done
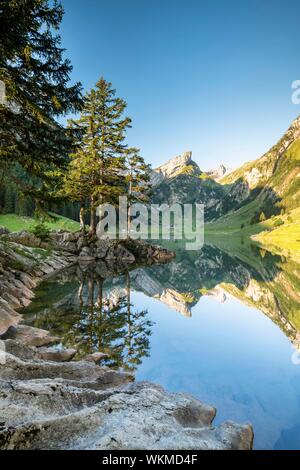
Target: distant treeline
(13, 201)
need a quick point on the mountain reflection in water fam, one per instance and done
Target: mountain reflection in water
(159, 322)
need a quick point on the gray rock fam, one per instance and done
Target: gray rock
(20, 350)
(121, 253)
(86, 253)
(11, 299)
(8, 317)
(66, 240)
(101, 248)
(147, 417)
(28, 281)
(3, 230)
(96, 357)
(79, 405)
(27, 239)
(56, 355)
(65, 414)
(81, 242)
(46, 268)
(30, 336)
(70, 246)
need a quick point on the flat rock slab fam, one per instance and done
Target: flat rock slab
(30, 336)
(80, 405)
(8, 318)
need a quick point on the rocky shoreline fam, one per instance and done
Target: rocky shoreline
(50, 401)
(81, 405)
(25, 261)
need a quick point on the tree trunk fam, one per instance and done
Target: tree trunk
(129, 210)
(93, 216)
(80, 292)
(81, 219)
(91, 286)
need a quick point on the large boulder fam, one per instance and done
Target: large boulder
(121, 253)
(101, 248)
(8, 317)
(87, 253)
(27, 239)
(30, 336)
(56, 355)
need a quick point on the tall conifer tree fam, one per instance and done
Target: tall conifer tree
(97, 167)
(35, 76)
(138, 179)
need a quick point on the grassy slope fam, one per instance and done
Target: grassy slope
(16, 223)
(285, 183)
(284, 239)
(278, 295)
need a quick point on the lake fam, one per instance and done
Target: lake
(221, 323)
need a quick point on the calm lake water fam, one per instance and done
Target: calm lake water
(221, 324)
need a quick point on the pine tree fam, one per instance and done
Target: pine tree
(10, 200)
(97, 167)
(262, 217)
(139, 328)
(35, 76)
(76, 187)
(138, 179)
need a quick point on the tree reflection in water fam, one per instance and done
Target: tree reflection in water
(107, 322)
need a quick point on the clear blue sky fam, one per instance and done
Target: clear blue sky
(209, 76)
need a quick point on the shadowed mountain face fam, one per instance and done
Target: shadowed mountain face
(89, 301)
(180, 180)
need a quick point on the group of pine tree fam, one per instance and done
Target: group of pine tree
(45, 165)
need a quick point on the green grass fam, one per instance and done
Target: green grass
(16, 223)
(280, 234)
(233, 221)
(41, 252)
(284, 238)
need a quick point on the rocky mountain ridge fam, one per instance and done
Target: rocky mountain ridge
(273, 181)
(184, 164)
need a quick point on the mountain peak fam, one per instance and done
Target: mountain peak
(217, 173)
(182, 164)
(175, 165)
